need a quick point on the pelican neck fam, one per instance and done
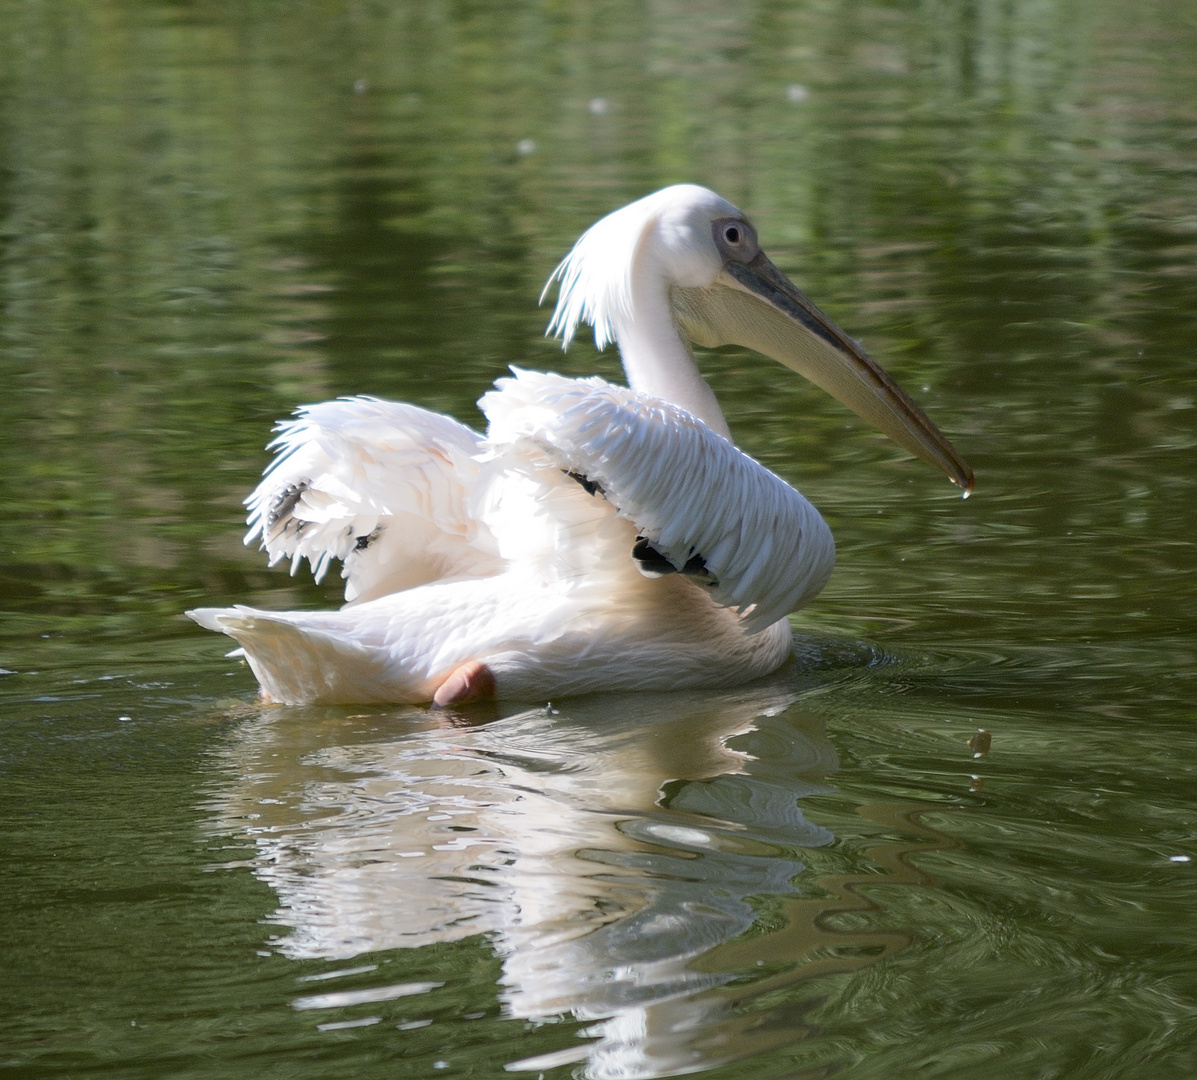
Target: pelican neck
(658, 361)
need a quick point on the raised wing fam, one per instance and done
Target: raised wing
(696, 499)
(382, 486)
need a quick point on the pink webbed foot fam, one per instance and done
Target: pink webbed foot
(468, 682)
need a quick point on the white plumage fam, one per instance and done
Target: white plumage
(598, 537)
(765, 549)
(345, 469)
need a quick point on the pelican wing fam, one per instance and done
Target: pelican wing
(382, 486)
(690, 492)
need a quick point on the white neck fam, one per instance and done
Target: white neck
(658, 360)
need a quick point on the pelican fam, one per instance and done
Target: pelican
(597, 537)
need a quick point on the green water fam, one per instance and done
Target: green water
(213, 212)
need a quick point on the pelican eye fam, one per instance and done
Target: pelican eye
(731, 233)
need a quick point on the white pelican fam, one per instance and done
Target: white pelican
(597, 537)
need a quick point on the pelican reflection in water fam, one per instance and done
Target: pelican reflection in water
(597, 537)
(609, 853)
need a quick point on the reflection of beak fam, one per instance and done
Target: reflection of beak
(755, 305)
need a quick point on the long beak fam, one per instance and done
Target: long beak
(755, 305)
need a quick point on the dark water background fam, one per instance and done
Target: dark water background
(212, 212)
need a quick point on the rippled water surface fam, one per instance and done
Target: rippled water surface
(212, 212)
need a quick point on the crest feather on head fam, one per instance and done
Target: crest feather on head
(596, 276)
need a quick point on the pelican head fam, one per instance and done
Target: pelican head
(684, 265)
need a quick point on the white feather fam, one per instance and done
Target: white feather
(380, 486)
(685, 488)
